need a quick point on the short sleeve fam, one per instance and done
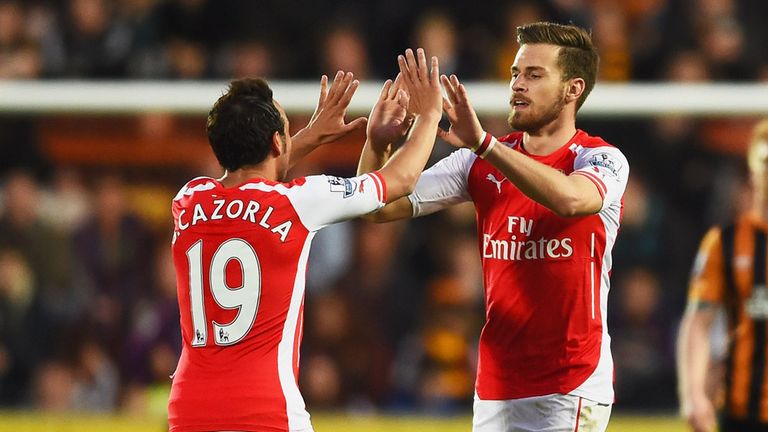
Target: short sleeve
(607, 168)
(707, 282)
(443, 184)
(322, 200)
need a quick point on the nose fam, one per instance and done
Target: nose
(517, 84)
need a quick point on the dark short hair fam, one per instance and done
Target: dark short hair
(242, 122)
(577, 58)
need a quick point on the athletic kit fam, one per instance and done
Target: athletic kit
(546, 277)
(241, 257)
(730, 271)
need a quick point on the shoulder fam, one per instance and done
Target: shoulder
(585, 143)
(197, 184)
(594, 151)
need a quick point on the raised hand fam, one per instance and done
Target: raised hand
(421, 83)
(327, 123)
(465, 130)
(389, 119)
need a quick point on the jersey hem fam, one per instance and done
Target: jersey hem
(237, 427)
(603, 399)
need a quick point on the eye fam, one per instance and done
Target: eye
(535, 76)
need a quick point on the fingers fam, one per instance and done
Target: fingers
(434, 71)
(333, 92)
(461, 95)
(385, 90)
(449, 111)
(346, 97)
(422, 70)
(323, 89)
(396, 86)
(403, 98)
(405, 71)
(341, 84)
(450, 90)
(356, 123)
(447, 105)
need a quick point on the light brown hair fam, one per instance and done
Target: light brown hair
(577, 58)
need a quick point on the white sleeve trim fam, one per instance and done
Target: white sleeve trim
(444, 184)
(607, 168)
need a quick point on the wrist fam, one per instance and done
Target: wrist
(306, 137)
(431, 116)
(484, 145)
(379, 147)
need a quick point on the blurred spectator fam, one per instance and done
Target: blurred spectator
(642, 340)
(436, 33)
(153, 344)
(112, 253)
(92, 46)
(721, 38)
(187, 59)
(44, 250)
(514, 15)
(54, 387)
(249, 58)
(96, 383)
(343, 47)
(138, 26)
(66, 206)
(610, 33)
(24, 330)
(19, 53)
(400, 302)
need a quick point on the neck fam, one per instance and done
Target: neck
(544, 141)
(551, 136)
(264, 170)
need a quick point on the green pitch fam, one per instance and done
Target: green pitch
(340, 423)
(32, 422)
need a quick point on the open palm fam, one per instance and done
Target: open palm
(389, 119)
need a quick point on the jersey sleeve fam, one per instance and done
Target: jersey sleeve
(322, 200)
(707, 282)
(607, 168)
(443, 184)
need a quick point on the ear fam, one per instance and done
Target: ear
(277, 144)
(575, 89)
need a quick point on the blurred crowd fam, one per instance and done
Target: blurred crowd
(196, 39)
(88, 316)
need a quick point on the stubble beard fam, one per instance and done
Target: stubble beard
(531, 122)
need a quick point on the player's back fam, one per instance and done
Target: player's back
(240, 254)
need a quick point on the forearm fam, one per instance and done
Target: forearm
(402, 170)
(373, 157)
(565, 195)
(302, 144)
(693, 354)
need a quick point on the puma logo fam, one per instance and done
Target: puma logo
(495, 181)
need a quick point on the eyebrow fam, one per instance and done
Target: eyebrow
(528, 68)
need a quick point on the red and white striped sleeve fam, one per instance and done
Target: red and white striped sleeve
(607, 168)
(322, 200)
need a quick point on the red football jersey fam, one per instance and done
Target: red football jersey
(241, 255)
(546, 278)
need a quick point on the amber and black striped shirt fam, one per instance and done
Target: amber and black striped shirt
(730, 270)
